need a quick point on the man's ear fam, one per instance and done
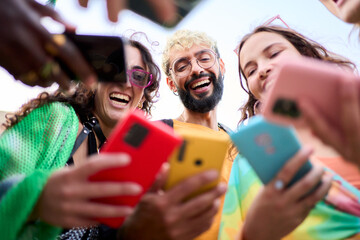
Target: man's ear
(171, 84)
(222, 66)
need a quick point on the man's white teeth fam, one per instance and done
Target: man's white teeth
(200, 83)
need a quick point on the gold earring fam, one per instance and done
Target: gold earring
(140, 105)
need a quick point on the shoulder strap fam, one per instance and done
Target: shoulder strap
(168, 122)
(99, 133)
(225, 128)
(89, 127)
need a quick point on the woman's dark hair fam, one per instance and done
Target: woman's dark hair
(152, 91)
(305, 47)
(83, 99)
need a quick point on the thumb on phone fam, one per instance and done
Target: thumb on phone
(160, 179)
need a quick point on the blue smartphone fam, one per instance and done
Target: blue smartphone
(267, 147)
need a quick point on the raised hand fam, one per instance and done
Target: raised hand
(29, 52)
(164, 9)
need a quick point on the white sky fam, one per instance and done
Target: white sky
(224, 20)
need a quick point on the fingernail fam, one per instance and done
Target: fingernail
(212, 174)
(165, 166)
(308, 150)
(127, 210)
(279, 184)
(136, 188)
(222, 187)
(217, 203)
(125, 158)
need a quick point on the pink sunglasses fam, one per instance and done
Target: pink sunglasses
(266, 23)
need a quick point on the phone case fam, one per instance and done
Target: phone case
(149, 144)
(200, 151)
(312, 79)
(267, 147)
(105, 54)
(144, 9)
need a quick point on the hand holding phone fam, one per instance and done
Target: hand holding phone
(311, 79)
(145, 9)
(267, 147)
(104, 54)
(200, 151)
(149, 144)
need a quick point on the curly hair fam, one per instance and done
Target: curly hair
(305, 47)
(184, 39)
(151, 92)
(83, 99)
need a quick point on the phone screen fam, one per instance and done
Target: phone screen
(143, 8)
(105, 54)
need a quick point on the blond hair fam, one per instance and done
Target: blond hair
(185, 39)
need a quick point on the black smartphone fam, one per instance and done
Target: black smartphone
(143, 8)
(105, 54)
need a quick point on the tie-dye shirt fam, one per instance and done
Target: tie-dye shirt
(325, 221)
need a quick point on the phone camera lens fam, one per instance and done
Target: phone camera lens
(198, 162)
(287, 108)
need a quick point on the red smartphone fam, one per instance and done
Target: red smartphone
(312, 79)
(149, 144)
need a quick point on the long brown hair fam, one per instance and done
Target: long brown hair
(304, 45)
(83, 99)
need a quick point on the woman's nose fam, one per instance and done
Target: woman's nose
(263, 74)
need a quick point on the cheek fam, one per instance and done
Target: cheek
(254, 87)
(296, 54)
(100, 96)
(138, 94)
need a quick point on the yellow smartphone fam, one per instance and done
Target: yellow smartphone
(199, 152)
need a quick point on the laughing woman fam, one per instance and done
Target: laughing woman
(272, 211)
(53, 131)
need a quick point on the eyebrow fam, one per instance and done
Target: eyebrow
(202, 51)
(137, 67)
(196, 54)
(263, 51)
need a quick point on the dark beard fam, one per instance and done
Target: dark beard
(202, 105)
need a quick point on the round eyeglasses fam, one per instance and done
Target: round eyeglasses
(139, 78)
(205, 59)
